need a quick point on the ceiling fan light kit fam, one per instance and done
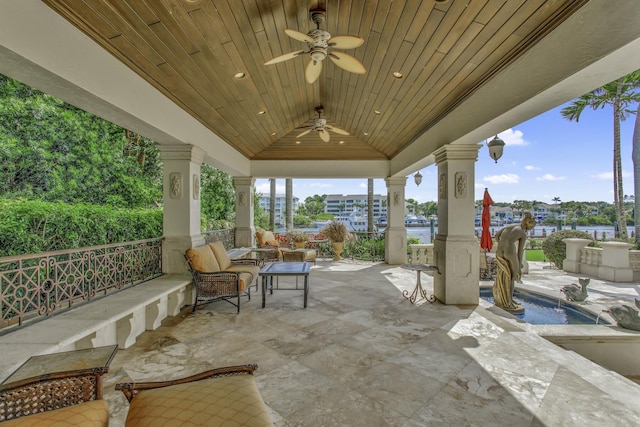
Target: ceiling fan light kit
(320, 125)
(318, 43)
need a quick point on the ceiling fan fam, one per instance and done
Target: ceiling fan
(319, 42)
(320, 125)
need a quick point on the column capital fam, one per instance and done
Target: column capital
(181, 152)
(457, 152)
(243, 180)
(396, 180)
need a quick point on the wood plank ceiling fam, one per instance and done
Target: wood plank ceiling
(192, 49)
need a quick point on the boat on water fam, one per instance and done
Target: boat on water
(321, 224)
(415, 221)
(353, 221)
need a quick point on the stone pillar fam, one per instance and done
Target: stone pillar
(615, 262)
(395, 243)
(456, 247)
(181, 200)
(571, 263)
(245, 231)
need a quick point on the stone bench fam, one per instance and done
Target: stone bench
(117, 318)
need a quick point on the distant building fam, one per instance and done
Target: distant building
(281, 205)
(338, 204)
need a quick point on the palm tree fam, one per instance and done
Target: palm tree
(289, 204)
(370, 205)
(272, 204)
(635, 155)
(620, 94)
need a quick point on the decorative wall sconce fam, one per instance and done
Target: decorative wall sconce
(495, 148)
(417, 178)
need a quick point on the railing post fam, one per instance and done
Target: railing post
(615, 262)
(571, 264)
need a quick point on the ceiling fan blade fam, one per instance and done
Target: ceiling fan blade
(297, 35)
(304, 133)
(347, 62)
(324, 135)
(312, 71)
(284, 57)
(336, 130)
(345, 42)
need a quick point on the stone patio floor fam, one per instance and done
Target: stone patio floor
(362, 355)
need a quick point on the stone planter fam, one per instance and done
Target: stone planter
(338, 247)
(300, 245)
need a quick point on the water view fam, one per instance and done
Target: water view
(424, 233)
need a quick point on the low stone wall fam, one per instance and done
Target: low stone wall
(614, 261)
(118, 318)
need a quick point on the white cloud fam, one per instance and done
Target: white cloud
(549, 177)
(512, 137)
(509, 178)
(320, 185)
(363, 185)
(479, 185)
(532, 168)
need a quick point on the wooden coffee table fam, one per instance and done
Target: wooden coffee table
(294, 269)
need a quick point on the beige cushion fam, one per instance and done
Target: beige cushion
(251, 270)
(265, 236)
(221, 254)
(93, 413)
(222, 401)
(203, 259)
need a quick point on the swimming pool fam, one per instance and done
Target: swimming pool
(542, 309)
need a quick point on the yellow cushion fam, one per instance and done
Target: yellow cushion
(251, 270)
(223, 401)
(221, 254)
(264, 236)
(272, 243)
(203, 259)
(90, 414)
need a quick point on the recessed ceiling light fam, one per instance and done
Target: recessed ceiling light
(261, 112)
(366, 134)
(239, 75)
(397, 74)
(297, 142)
(377, 112)
(274, 133)
(341, 142)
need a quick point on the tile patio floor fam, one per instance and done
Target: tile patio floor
(362, 355)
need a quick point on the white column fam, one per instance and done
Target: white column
(245, 230)
(181, 200)
(456, 248)
(395, 243)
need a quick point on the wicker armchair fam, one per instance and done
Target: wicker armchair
(216, 277)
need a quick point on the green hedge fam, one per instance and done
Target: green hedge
(556, 250)
(31, 226)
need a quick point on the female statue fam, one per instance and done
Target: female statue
(511, 241)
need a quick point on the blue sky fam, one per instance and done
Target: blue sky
(544, 157)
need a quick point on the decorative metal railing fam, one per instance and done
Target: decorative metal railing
(227, 236)
(42, 284)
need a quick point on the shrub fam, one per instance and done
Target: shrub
(555, 250)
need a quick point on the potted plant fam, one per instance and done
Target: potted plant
(337, 233)
(299, 238)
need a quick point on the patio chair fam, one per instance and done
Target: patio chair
(485, 273)
(266, 239)
(223, 396)
(216, 277)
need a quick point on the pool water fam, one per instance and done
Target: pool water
(543, 310)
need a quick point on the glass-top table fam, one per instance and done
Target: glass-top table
(285, 269)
